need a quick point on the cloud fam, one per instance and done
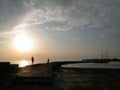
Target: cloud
(11, 12)
(66, 15)
(38, 17)
(60, 15)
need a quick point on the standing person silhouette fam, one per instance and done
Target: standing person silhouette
(48, 60)
(32, 59)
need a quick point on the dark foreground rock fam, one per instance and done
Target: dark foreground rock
(7, 74)
(35, 77)
(88, 79)
(51, 77)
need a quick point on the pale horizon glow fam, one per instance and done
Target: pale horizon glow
(23, 43)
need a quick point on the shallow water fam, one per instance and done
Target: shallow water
(94, 65)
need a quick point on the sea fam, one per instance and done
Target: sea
(95, 65)
(111, 64)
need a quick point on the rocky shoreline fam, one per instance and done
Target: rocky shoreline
(89, 79)
(51, 77)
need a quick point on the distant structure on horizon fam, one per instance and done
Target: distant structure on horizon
(104, 55)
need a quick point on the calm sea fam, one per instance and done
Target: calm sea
(94, 65)
(80, 65)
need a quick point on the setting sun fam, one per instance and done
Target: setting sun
(23, 63)
(23, 43)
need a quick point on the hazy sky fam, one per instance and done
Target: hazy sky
(61, 28)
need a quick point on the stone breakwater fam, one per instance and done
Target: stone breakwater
(53, 77)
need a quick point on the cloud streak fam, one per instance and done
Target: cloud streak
(67, 15)
(60, 15)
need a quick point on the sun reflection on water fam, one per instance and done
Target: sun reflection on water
(23, 63)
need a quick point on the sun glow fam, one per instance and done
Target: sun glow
(23, 63)
(23, 43)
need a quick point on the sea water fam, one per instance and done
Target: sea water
(94, 65)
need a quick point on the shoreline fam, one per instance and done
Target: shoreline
(51, 76)
(88, 79)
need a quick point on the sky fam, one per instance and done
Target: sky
(60, 29)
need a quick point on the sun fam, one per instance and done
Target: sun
(23, 43)
(23, 63)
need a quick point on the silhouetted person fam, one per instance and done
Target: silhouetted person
(48, 60)
(32, 59)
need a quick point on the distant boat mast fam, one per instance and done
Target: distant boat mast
(104, 55)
